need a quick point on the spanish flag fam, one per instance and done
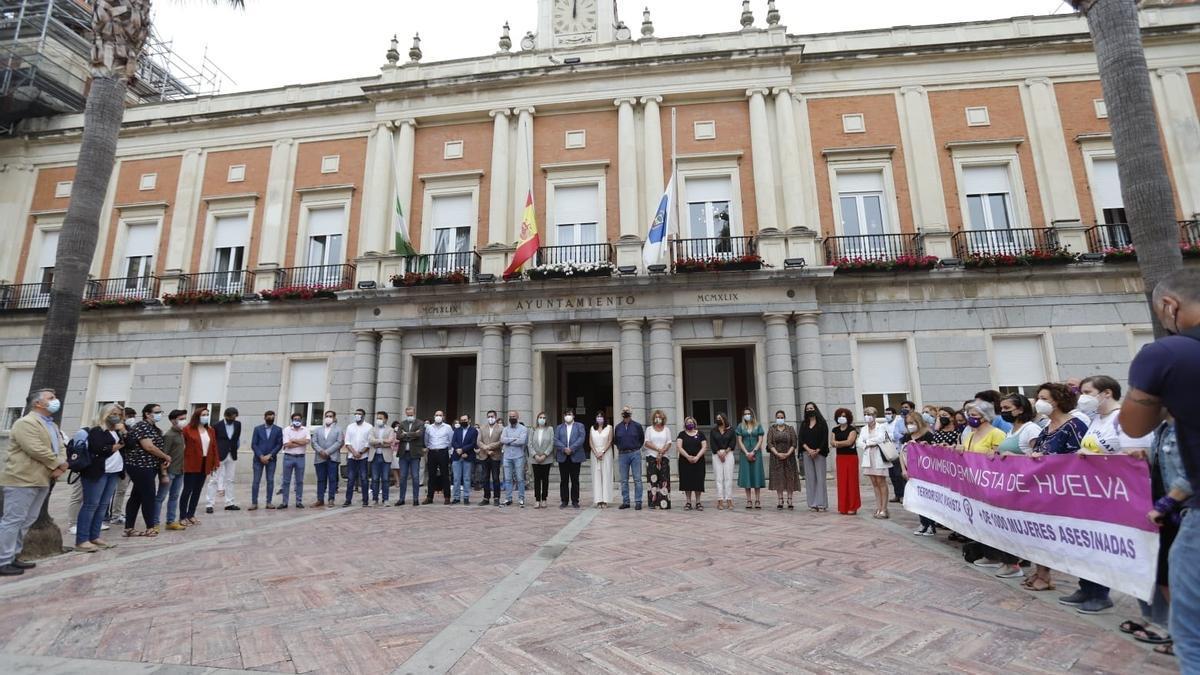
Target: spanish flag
(530, 240)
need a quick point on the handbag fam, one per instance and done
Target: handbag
(889, 451)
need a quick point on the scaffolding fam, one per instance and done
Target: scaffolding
(45, 53)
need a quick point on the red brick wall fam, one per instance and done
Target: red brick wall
(127, 192)
(427, 159)
(43, 200)
(216, 184)
(351, 170)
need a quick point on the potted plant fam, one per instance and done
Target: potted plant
(1190, 249)
(1118, 254)
(569, 270)
(1055, 256)
(201, 298)
(111, 302)
(300, 293)
(716, 263)
(409, 279)
(899, 263)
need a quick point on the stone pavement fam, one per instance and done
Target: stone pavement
(485, 590)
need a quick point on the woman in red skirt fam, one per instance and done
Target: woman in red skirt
(844, 438)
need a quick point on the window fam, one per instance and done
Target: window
(861, 202)
(708, 202)
(452, 150)
(331, 163)
(1101, 108)
(576, 139)
(884, 372)
(206, 387)
(1106, 190)
(989, 197)
(306, 390)
(326, 229)
(141, 240)
(63, 189)
(112, 387)
(230, 235)
(46, 257)
(19, 381)
(148, 181)
(576, 219)
(237, 173)
(854, 123)
(451, 218)
(1018, 364)
(978, 117)
(705, 130)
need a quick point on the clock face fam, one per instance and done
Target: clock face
(575, 16)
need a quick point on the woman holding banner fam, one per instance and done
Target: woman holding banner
(845, 440)
(873, 439)
(980, 435)
(918, 431)
(1017, 411)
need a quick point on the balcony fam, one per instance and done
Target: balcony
(316, 277)
(1004, 242)
(15, 297)
(576, 254)
(715, 254)
(443, 264)
(118, 292)
(234, 282)
(873, 247)
(1102, 237)
(1189, 233)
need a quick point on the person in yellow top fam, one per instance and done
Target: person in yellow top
(980, 436)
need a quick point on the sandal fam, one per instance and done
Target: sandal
(150, 533)
(1040, 585)
(1150, 637)
(134, 533)
(791, 507)
(779, 506)
(1166, 649)
(699, 506)
(757, 505)
(1127, 627)
(749, 505)
(687, 506)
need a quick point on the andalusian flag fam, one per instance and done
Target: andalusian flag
(400, 224)
(529, 242)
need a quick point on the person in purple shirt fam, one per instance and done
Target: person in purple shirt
(1164, 377)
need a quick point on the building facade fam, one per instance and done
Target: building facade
(798, 160)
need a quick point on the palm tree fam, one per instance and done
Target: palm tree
(1145, 185)
(119, 32)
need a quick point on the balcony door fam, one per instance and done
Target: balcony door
(990, 215)
(230, 239)
(326, 246)
(1110, 207)
(864, 214)
(452, 217)
(709, 225)
(141, 242)
(576, 225)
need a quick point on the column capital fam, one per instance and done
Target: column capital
(521, 328)
(404, 121)
(807, 318)
(192, 152)
(631, 324)
(651, 99)
(661, 322)
(392, 332)
(775, 318)
(526, 110)
(757, 91)
(625, 100)
(282, 142)
(499, 112)
(913, 89)
(364, 335)
(1174, 71)
(781, 91)
(493, 329)
(1044, 81)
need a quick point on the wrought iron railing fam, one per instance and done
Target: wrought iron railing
(127, 288)
(441, 264)
(24, 296)
(1189, 232)
(233, 281)
(728, 248)
(873, 247)
(316, 276)
(1004, 241)
(1108, 235)
(576, 253)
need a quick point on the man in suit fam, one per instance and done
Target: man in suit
(462, 457)
(569, 438)
(327, 448)
(266, 443)
(379, 458)
(411, 438)
(229, 438)
(490, 454)
(36, 457)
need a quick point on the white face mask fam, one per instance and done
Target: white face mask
(747, 418)
(869, 419)
(541, 421)
(437, 419)
(357, 417)
(1043, 407)
(491, 420)
(408, 418)
(842, 420)
(181, 422)
(780, 422)
(204, 420)
(912, 428)
(456, 426)
(1088, 404)
(889, 417)
(297, 423)
(328, 421)
(380, 423)
(568, 418)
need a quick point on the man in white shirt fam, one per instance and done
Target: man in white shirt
(296, 440)
(437, 463)
(358, 443)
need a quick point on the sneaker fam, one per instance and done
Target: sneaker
(174, 527)
(73, 529)
(233, 507)
(399, 503)
(1075, 599)
(103, 526)
(1017, 573)
(922, 532)
(208, 509)
(455, 501)
(987, 562)
(10, 570)
(485, 502)
(1095, 606)
(929, 533)
(299, 505)
(253, 507)
(120, 520)
(623, 506)
(344, 505)
(521, 503)
(508, 502)
(23, 564)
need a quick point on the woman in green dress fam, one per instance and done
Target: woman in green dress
(750, 464)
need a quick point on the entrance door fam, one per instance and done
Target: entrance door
(446, 384)
(716, 381)
(580, 382)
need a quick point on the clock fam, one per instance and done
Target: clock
(575, 16)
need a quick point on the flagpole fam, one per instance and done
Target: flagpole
(675, 177)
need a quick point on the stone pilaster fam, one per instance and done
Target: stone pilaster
(1050, 157)
(183, 218)
(16, 193)
(627, 168)
(362, 386)
(764, 165)
(790, 173)
(1181, 131)
(276, 207)
(652, 148)
(633, 369)
(520, 370)
(376, 192)
(921, 162)
(662, 367)
(388, 394)
(809, 365)
(781, 388)
(491, 368)
(498, 199)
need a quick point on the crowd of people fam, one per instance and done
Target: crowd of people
(124, 448)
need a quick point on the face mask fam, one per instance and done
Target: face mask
(408, 418)
(974, 422)
(130, 421)
(626, 414)
(491, 420)
(869, 419)
(181, 423)
(658, 420)
(904, 412)
(296, 423)
(204, 420)
(780, 422)
(357, 417)
(456, 425)
(889, 418)
(328, 421)
(945, 421)
(746, 418)
(1043, 407)
(912, 428)
(927, 417)
(842, 420)
(380, 423)
(512, 421)
(157, 417)
(690, 426)
(1088, 404)
(270, 420)
(568, 418)
(541, 421)
(113, 420)
(437, 419)
(810, 413)
(599, 420)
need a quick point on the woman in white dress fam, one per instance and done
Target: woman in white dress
(871, 439)
(600, 440)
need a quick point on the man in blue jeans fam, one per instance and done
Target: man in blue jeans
(514, 440)
(411, 438)
(1163, 375)
(358, 442)
(462, 460)
(629, 437)
(265, 443)
(296, 440)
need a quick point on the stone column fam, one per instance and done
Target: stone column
(789, 158)
(662, 368)
(276, 206)
(183, 218)
(809, 365)
(520, 370)
(627, 171)
(633, 369)
(362, 386)
(764, 165)
(652, 146)
(810, 203)
(1050, 157)
(406, 144)
(1181, 131)
(498, 200)
(388, 393)
(16, 194)
(376, 193)
(523, 178)
(491, 368)
(781, 386)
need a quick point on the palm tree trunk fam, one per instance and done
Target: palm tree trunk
(1145, 184)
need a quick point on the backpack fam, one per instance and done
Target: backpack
(79, 455)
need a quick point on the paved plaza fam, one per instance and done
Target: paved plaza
(488, 590)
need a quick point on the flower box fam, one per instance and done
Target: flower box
(719, 264)
(570, 271)
(300, 293)
(1058, 256)
(201, 298)
(109, 303)
(410, 279)
(1119, 254)
(1190, 250)
(904, 263)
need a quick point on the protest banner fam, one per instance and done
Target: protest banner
(1083, 515)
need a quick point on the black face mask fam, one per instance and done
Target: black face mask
(512, 421)
(1007, 416)
(626, 415)
(270, 420)
(945, 421)
(810, 413)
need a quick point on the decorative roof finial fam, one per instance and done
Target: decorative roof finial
(747, 15)
(647, 24)
(505, 39)
(393, 52)
(414, 54)
(772, 14)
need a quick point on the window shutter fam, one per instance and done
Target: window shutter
(1019, 360)
(207, 382)
(307, 381)
(452, 211)
(113, 383)
(1107, 184)
(141, 240)
(49, 251)
(19, 380)
(883, 367)
(708, 189)
(231, 231)
(983, 180)
(326, 221)
(860, 181)
(576, 204)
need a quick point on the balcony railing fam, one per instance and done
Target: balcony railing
(728, 248)
(24, 296)
(873, 247)
(318, 276)
(441, 264)
(233, 281)
(577, 253)
(1109, 235)
(1005, 241)
(124, 288)
(1189, 232)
